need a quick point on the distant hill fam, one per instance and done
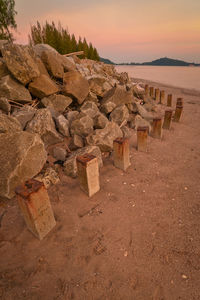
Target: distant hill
(107, 61)
(165, 61)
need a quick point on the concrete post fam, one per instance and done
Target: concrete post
(169, 100)
(121, 153)
(36, 208)
(157, 95)
(178, 113)
(146, 90)
(179, 102)
(88, 173)
(157, 128)
(162, 97)
(167, 119)
(151, 91)
(142, 133)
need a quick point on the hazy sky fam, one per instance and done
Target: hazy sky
(122, 30)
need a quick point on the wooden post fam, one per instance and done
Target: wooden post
(157, 95)
(169, 100)
(35, 206)
(151, 91)
(157, 128)
(167, 119)
(142, 134)
(121, 153)
(178, 113)
(88, 173)
(162, 97)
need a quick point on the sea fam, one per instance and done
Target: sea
(184, 77)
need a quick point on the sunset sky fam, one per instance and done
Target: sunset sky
(122, 30)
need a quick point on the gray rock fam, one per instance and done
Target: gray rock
(24, 115)
(62, 125)
(43, 124)
(53, 64)
(9, 124)
(22, 156)
(20, 61)
(59, 153)
(103, 138)
(14, 90)
(89, 108)
(3, 68)
(76, 142)
(139, 121)
(70, 166)
(57, 102)
(98, 84)
(120, 115)
(144, 113)
(43, 86)
(100, 121)
(5, 105)
(126, 132)
(82, 126)
(72, 115)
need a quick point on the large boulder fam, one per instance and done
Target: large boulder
(43, 124)
(89, 108)
(144, 113)
(53, 64)
(100, 121)
(24, 115)
(76, 142)
(22, 156)
(9, 124)
(98, 84)
(116, 96)
(75, 85)
(20, 61)
(58, 103)
(14, 90)
(43, 86)
(72, 115)
(120, 115)
(62, 125)
(82, 126)
(103, 138)
(70, 166)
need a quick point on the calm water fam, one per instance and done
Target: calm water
(186, 77)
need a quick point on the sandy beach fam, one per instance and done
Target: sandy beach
(138, 238)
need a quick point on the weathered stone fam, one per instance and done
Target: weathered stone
(132, 107)
(63, 125)
(40, 48)
(72, 115)
(2, 43)
(41, 66)
(144, 113)
(124, 78)
(120, 115)
(24, 115)
(20, 61)
(121, 153)
(126, 132)
(93, 98)
(100, 121)
(3, 68)
(14, 90)
(53, 64)
(4, 105)
(140, 122)
(116, 96)
(89, 108)
(59, 153)
(57, 102)
(9, 124)
(22, 156)
(42, 87)
(49, 177)
(97, 85)
(75, 85)
(76, 142)
(82, 126)
(138, 91)
(70, 166)
(43, 124)
(103, 138)
(131, 120)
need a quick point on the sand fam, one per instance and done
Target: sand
(138, 238)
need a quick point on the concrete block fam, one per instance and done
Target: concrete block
(162, 97)
(178, 113)
(157, 128)
(167, 119)
(157, 95)
(151, 91)
(121, 153)
(179, 102)
(142, 134)
(169, 100)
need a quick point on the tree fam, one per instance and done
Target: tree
(7, 19)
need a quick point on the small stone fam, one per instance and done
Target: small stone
(125, 253)
(184, 276)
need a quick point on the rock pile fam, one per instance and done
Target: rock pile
(52, 105)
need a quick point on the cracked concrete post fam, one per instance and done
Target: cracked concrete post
(178, 113)
(142, 134)
(169, 100)
(157, 128)
(88, 173)
(36, 208)
(179, 102)
(157, 95)
(151, 91)
(162, 97)
(121, 153)
(146, 88)
(167, 119)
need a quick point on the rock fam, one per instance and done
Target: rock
(59, 153)
(43, 124)
(40, 48)
(139, 121)
(103, 138)
(70, 167)
(2, 42)
(63, 125)
(75, 85)
(82, 126)
(49, 177)
(144, 113)
(5, 105)
(132, 107)
(100, 121)
(92, 97)
(72, 115)
(131, 120)
(41, 66)
(138, 91)
(68, 65)
(126, 132)
(118, 95)
(9, 124)
(76, 142)
(42, 87)
(120, 115)
(20, 61)
(24, 115)
(57, 102)
(98, 84)
(89, 108)
(3, 68)
(22, 156)
(124, 78)
(13, 90)
(53, 64)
